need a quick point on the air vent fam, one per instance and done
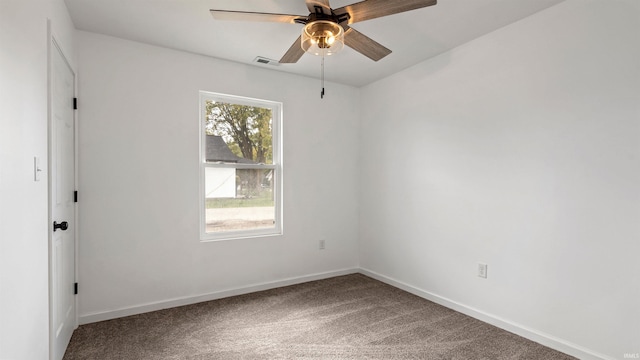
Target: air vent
(266, 61)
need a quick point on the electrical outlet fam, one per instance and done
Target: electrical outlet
(321, 244)
(482, 270)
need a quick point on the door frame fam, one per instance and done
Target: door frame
(54, 45)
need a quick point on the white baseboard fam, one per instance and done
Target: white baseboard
(154, 306)
(531, 334)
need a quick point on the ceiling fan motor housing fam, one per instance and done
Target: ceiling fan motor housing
(320, 15)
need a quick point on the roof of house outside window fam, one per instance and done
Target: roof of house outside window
(218, 151)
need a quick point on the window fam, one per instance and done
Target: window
(240, 167)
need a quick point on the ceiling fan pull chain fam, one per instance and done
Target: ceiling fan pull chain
(322, 76)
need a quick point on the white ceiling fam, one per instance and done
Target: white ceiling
(188, 26)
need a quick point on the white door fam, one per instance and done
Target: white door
(62, 187)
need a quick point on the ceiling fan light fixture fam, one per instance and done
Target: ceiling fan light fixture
(322, 37)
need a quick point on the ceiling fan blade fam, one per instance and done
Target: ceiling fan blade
(294, 53)
(364, 45)
(324, 4)
(371, 9)
(254, 16)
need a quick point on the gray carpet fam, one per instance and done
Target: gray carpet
(346, 317)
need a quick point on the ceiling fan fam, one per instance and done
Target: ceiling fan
(327, 30)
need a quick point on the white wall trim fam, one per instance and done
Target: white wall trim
(531, 334)
(528, 333)
(187, 300)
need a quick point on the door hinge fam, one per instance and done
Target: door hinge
(75, 196)
(75, 103)
(75, 289)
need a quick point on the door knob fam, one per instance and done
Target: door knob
(62, 226)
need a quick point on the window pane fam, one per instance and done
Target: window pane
(239, 199)
(238, 133)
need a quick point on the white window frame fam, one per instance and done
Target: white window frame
(276, 128)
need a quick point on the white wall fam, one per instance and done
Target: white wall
(139, 118)
(521, 150)
(24, 309)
